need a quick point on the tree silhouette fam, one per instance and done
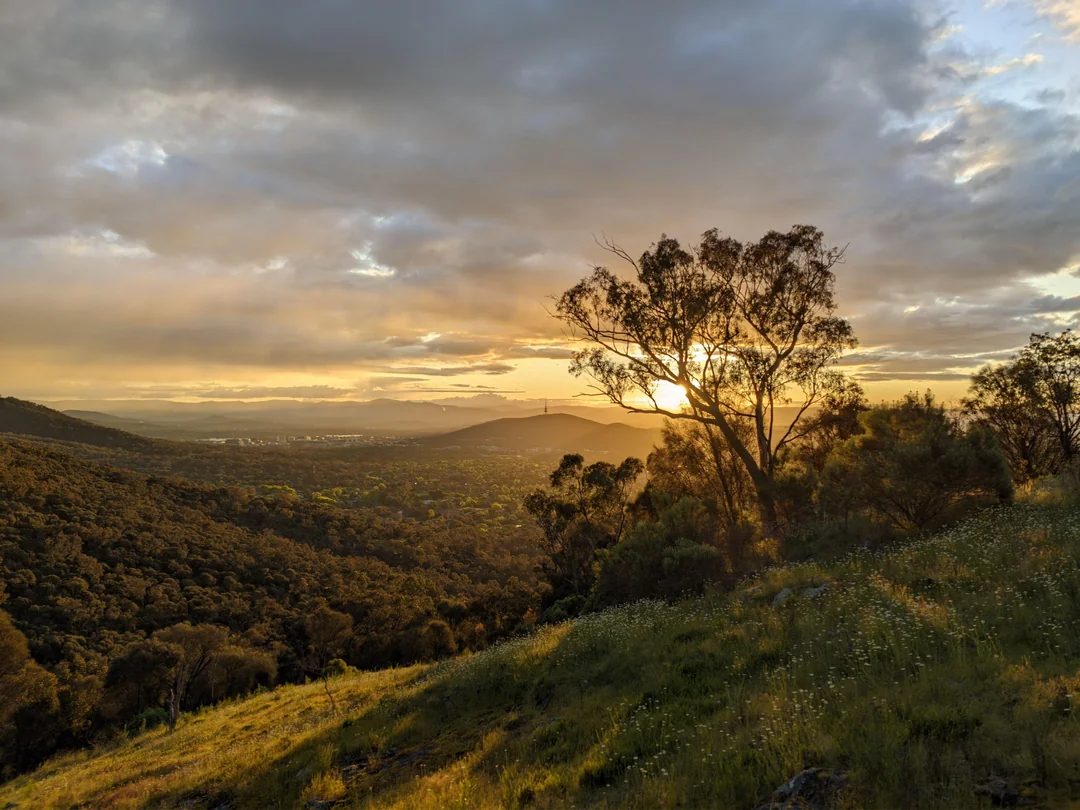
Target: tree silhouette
(741, 328)
(583, 511)
(196, 648)
(329, 633)
(1032, 404)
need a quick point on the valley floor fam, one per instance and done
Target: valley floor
(942, 674)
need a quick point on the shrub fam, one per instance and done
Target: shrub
(149, 719)
(564, 609)
(914, 466)
(678, 553)
(336, 668)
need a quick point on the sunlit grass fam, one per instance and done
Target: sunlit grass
(924, 672)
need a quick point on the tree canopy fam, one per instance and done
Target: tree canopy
(742, 328)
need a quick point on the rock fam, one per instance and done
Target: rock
(820, 589)
(813, 789)
(782, 597)
(1001, 793)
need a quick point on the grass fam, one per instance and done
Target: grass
(925, 672)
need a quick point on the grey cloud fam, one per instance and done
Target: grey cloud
(454, 371)
(284, 392)
(472, 148)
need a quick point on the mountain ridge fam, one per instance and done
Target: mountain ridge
(554, 432)
(23, 418)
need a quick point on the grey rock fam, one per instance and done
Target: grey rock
(812, 789)
(782, 597)
(820, 589)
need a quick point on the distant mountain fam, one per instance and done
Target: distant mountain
(555, 433)
(29, 419)
(138, 426)
(268, 418)
(166, 419)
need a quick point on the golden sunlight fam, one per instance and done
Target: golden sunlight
(670, 397)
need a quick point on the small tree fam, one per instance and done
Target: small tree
(913, 464)
(676, 554)
(196, 648)
(140, 677)
(583, 511)
(695, 461)
(329, 633)
(1032, 404)
(741, 328)
(836, 421)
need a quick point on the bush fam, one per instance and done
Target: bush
(336, 668)
(678, 553)
(430, 641)
(564, 609)
(914, 466)
(151, 718)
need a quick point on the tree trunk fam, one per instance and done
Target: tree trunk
(174, 708)
(329, 694)
(766, 508)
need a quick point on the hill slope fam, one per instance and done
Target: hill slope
(554, 433)
(29, 419)
(942, 674)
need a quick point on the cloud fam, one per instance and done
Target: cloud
(242, 191)
(278, 392)
(454, 371)
(1028, 60)
(1065, 14)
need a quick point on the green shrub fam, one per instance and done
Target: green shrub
(914, 466)
(336, 668)
(144, 721)
(564, 609)
(679, 553)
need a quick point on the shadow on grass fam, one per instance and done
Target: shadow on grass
(555, 702)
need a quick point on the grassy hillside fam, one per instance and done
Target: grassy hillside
(942, 674)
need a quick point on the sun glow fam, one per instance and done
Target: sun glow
(669, 397)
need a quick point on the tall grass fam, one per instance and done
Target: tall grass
(926, 672)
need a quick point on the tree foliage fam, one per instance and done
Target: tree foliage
(582, 512)
(913, 463)
(676, 554)
(694, 460)
(1032, 404)
(28, 702)
(742, 328)
(116, 579)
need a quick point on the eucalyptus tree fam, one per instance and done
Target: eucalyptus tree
(1032, 403)
(742, 328)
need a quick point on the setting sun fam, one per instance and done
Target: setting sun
(670, 397)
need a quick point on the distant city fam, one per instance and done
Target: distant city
(329, 440)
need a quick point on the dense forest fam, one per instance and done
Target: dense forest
(99, 563)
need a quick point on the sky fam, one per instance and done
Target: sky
(345, 199)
